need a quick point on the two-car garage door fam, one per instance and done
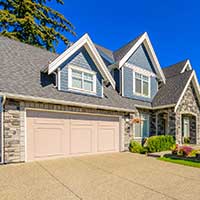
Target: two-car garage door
(52, 134)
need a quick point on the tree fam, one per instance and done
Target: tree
(34, 22)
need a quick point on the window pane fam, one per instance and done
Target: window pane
(145, 126)
(137, 130)
(88, 85)
(145, 88)
(138, 75)
(77, 83)
(88, 76)
(145, 78)
(138, 86)
(76, 73)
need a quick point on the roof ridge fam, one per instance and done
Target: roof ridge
(173, 65)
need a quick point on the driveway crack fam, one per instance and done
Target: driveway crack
(59, 181)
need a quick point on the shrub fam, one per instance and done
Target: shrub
(186, 140)
(135, 147)
(160, 143)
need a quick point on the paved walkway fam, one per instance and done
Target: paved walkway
(119, 176)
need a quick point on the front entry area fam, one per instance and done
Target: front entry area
(188, 128)
(51, 134)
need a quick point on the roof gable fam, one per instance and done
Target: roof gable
(133, 46)
(170, 92)
(121, 52)
(177, 68)
(140, 58)
(86, 42)
(193, 79)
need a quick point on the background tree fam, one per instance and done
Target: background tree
(34, 22)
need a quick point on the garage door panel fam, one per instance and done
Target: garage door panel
(106, 139)
(43, 140)
(49, 122)
(81, 140)
(57, 134)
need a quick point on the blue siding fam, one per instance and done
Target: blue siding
(80, 59)
(141, 59)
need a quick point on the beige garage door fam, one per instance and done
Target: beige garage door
(52, 134)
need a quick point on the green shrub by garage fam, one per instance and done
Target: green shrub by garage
(160, 143)
(135, 147)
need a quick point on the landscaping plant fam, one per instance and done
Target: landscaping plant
(160, 143)
(186, 140)
(135, 147)
(183, 150)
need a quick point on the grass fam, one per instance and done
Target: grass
(181, 162)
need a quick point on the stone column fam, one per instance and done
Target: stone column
(12, 132)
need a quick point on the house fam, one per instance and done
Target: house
(91, 100)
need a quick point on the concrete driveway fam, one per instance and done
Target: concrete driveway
(116, 176)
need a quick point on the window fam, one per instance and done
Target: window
(142, 129)
(83, 80)
(142, 86)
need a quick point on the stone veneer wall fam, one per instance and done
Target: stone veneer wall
(188, 105)
(171, 121)
(14, 130)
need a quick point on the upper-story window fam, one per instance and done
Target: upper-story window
(82, 79)
(142, 85)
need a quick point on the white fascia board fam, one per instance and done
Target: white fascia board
(66, 54)
(196, 86)
(87, 42)
(145, 39)
(186, 65)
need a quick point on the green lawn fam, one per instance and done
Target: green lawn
(181, 162)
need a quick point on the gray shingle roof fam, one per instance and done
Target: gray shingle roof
(105, 51)
(20, 74)
(121, 52)
(117, 55)
(174, 69)
(170, 92)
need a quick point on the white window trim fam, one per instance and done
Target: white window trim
(148, 128)
(70, 68)
(149, 86)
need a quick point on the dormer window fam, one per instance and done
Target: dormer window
(142, 85)
(82, 80)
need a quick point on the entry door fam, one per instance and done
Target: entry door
(186, 127)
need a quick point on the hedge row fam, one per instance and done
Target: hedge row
(153, 144)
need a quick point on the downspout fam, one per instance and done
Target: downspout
(2, 129)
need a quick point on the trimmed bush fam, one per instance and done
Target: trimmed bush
(160, 143)
(135, 147)
(186, 140)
